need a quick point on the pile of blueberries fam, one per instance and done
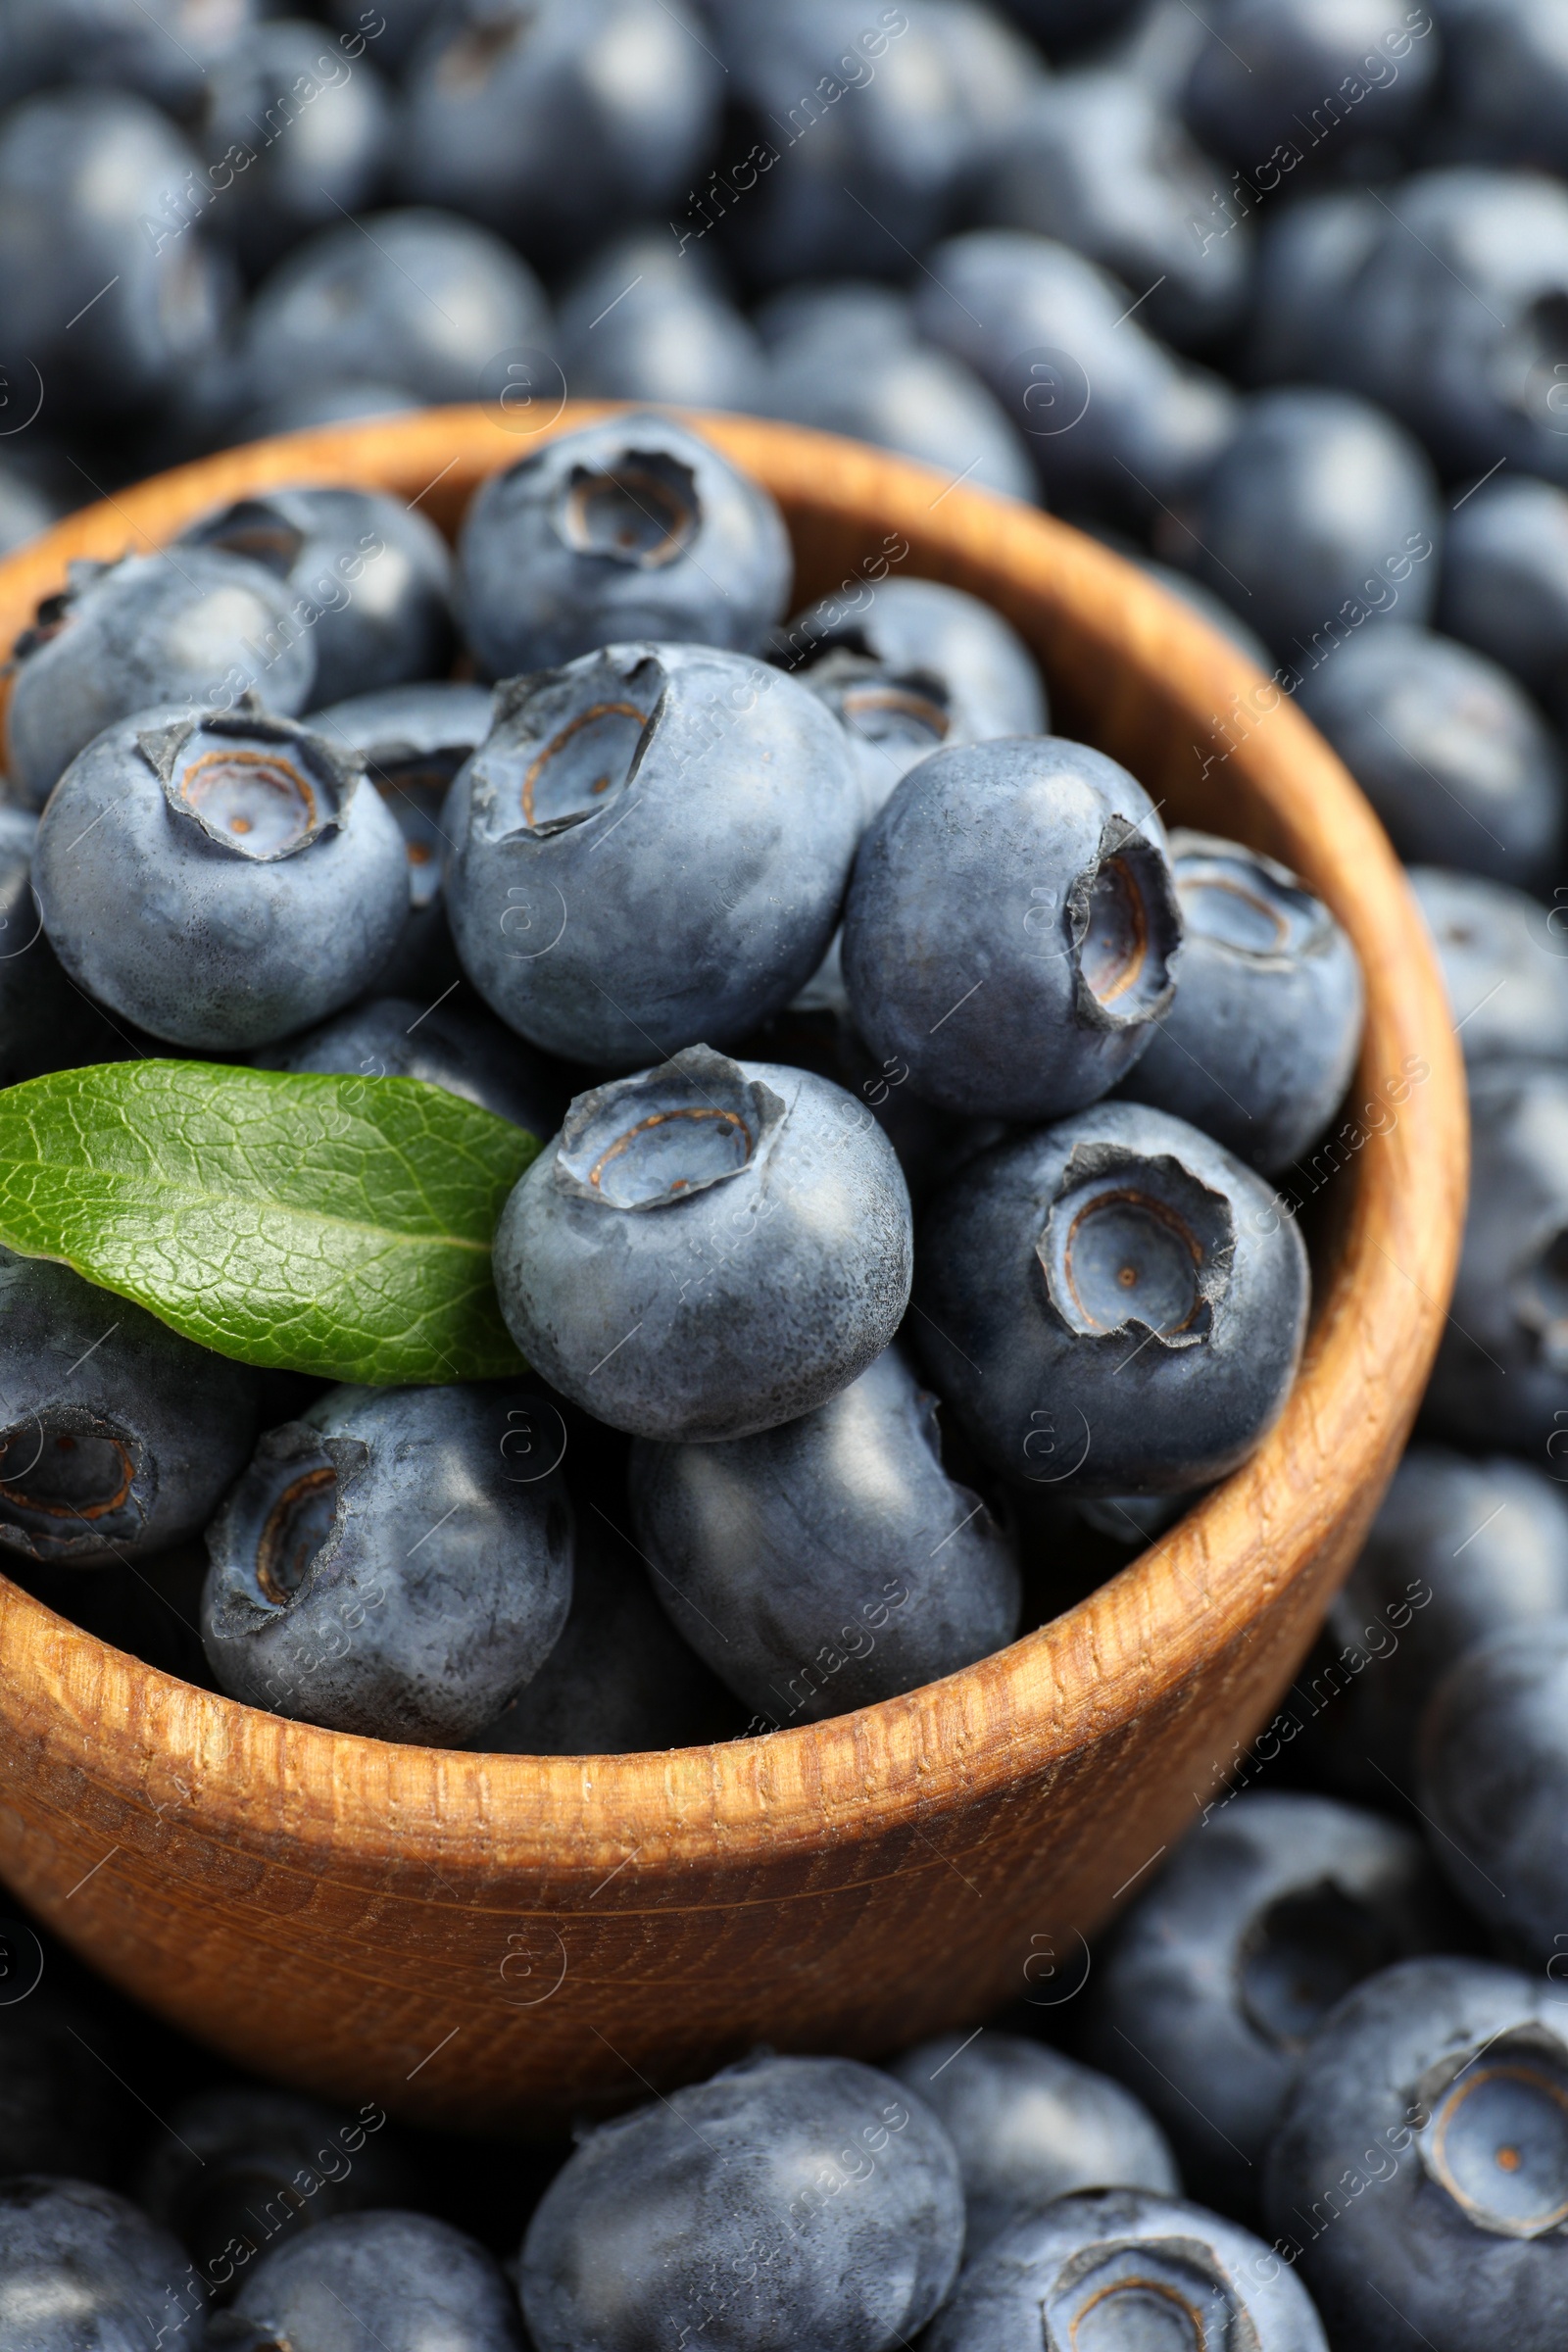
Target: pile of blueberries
(930, 1136)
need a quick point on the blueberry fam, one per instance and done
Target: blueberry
(323, 402)
(1458, 1550)
(1220, 1975)
(416, 298)
(644, 321)
(788, 2202)
(559, 120)
(1011, 929)
(237, 2170)
(83, 2270)
(368, 576)
(202, 627)
(373, 2283)
(1116, 422)
(1420, 2172)
(269, 888)
(1452, 754)
(25, 508)
(1505, 585)
(332, 1600)
(1278, 76)
(1127, 2267)
(1261, 1039)
(46, 1023)
(1505, 81)
(1501, 1374)
(831, 1562)
(162, 50)
(1493, 1780)
(629, 528)
(1113, 1303)
(1319, 515)
(1503, 964)
(1307, 259)
(118, 1435)
(1030, 2126)
(706, 1250)
(920, 665)
(100, 315)
(650, 848)
(1099, 164)
(468, 1054)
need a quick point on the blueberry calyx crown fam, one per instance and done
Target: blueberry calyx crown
(283, 1520)
(1497, 2135)
(1125, 928)
(1136, 1239)
(71, 1481)
(880, 704)
(655, 1139)
(641, 508)
(1244, 902)
(1174, 2283)
(566, 743)
(257, 786)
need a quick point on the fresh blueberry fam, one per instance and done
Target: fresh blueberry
(416, 299)
(1505, 81)
(465, 1053)
(83, 2270)
(1113, 1304)
(1502, 962)
(788, 2202)
(403, 24)
(917, 665)
(161, 48)
(1451, 752)
(629, 528)
(203, 627)
(1319, 515)
(271, 884)
(1308, 255)
(831, 1562)
(1223, 1969)
(325, 1601)
(1501, 1374)
(1505, 585)
(650, 848)
(328, 401)
(368, 576)
(373, 2283)
(859, 310)
(1291, 77)
(1011, 929)
(1030, 2126)
(118, 1435)
(1261, 1039)
(25, 508)
(1127, 2268)
(46, 1023)
(706, 1250)
(557, 121)
(1419, 2178)
(1494, 1780)
(645, 321)
(1116, 422)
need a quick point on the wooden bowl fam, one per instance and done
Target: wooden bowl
(494, 1941)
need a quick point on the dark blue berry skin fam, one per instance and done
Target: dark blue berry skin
(1111, 1306)
(651, 848)
(706, 1250)
(1259, 1044)
(1309, 255)
(201, 628)
(1505, 585)
(577, 116)
(120, 1436)
(1222, 1971)
(1031, 2124)
(465, 1052)
(921, 664)
(788, 2202)
(26, 509)
(79, 172)
(1505, 960)
(1321, 509)
(1099, 164)
(1451, 752)
(1122, 2260)
(325, 1601)
(1011, 931)
(1265, 74)
(629, 528)
(1116, 422)
(1494, 1780)
(1501, 1374)
(1461, 1550)
(415, 298)
(374, 2283)
(368, 576)
(1383, 2182)
(96, 41)
(1505, 85)
(831, 1562)
(645, 321)
(45, 1022)
(83, 2270)
(269, 881)
(328, 401)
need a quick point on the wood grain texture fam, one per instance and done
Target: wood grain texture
(494, 1941)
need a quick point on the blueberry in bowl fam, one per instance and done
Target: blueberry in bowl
(465, 1050)
(397, 2280)
(1504, 963)
(76, 2258)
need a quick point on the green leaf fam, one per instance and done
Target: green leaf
(334, 1225)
